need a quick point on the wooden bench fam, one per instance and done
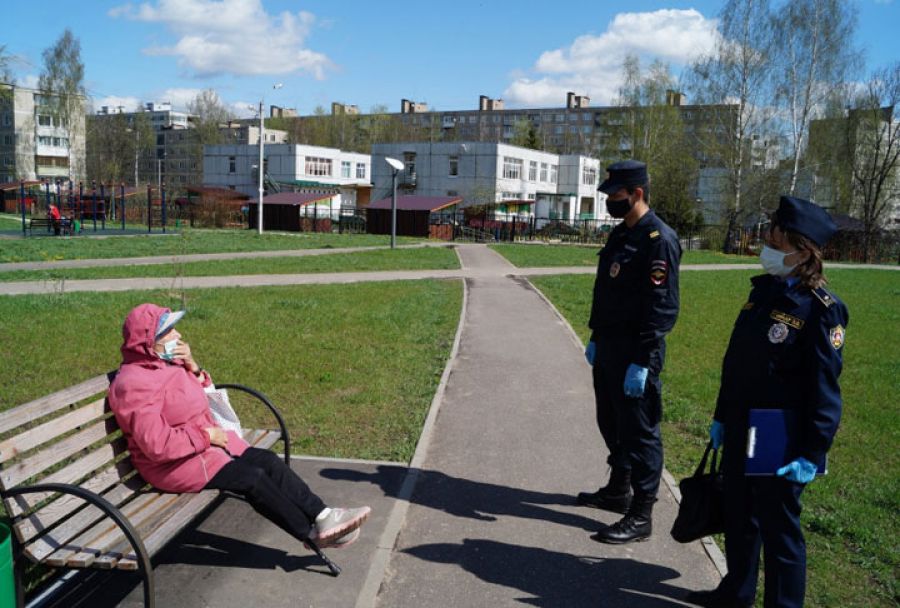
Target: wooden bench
(75, 500)
(40, 222)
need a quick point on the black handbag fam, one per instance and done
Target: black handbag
(702, 510)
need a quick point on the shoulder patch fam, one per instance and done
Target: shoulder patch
(836, 335)
(823, 296)
(654, 234)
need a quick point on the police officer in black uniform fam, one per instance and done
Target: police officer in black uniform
(635, 306)
(785, 353)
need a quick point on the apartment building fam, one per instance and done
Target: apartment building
(312, 169)
(529, 183)
(34, 143)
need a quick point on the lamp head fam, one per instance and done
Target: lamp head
(394, 163)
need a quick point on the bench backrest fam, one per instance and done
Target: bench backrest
(67, 437)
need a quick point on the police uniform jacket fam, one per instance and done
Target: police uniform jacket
(636, 289)
(786, 352)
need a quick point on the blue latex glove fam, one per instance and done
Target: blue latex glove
(716, 434)
(800, 470)
(635, 380)
(590, 353)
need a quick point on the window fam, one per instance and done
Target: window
(232, 162)
(452, 193)
(543, 172)
(559, 129)
(454, 166)
(7, 119)
(44, 120)
(532, 171)
(512, 168)
(8, 140)
(409, 160)
(45, 141)
(318, 166)
(361, 170)
(554, 172)
(560, 118)
(345, 168)
(588, 175)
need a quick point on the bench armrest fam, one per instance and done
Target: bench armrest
(284, 432)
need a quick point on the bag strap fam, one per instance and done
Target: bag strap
(701, 468)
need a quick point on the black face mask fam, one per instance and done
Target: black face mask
(619, 208)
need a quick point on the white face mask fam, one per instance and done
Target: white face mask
(169, 353)
(772, 261)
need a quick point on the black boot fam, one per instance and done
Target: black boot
(635, 526)
(714, 598)
(615, 496)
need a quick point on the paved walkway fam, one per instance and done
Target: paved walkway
(484, 514)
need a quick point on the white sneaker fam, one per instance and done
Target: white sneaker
(338, 527)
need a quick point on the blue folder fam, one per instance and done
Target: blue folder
(772, 442)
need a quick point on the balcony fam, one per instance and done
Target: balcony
(406, 179)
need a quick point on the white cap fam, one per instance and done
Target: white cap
(167, 321)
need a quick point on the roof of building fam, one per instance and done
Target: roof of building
(418, 203)
(296, 198)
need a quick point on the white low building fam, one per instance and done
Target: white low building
(527, 183)
(300, 168)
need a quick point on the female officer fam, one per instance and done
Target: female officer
(785, 353)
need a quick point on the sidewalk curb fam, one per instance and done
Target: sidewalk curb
(709, 545)
(368, 595)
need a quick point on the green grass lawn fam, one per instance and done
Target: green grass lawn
(86, 246)
(850, 516)
(538, 256)
(353, 367)
(425, 258)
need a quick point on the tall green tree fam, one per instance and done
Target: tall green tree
(525, 135)
(649, 127)
(61, 84)
(814, 44)
(209, 115)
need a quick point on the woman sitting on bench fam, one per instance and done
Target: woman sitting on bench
(159, 402)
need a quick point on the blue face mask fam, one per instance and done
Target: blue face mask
(772, 261)
(169, 353)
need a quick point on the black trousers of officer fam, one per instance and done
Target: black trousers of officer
(630, 426)
(762, 513)
(272, 488)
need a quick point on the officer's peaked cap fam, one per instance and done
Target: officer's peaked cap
(806, 218)
(623, 174)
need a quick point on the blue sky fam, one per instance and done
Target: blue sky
(362, 52)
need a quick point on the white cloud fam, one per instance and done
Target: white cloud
(29, 81)
(592, 64)
(244, 109)
(179, 98)
(232, 37)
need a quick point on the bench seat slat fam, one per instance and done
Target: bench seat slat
(108, 484)
(185, 511)
(92, 540)
(31, 438)
(38, 408)
(20, 471)
(70, 474)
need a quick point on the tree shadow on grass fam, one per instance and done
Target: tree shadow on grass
(552, 579)
(471, 499)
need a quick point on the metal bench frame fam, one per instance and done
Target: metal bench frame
(33, 438)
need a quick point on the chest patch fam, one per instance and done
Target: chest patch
(614, 269)
(778, 333)
(837, 336)
(787, 319)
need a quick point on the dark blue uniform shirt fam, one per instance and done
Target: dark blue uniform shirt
(636, 289)
(786, 352)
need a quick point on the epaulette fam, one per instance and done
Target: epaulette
(823, 296)
(654, 235)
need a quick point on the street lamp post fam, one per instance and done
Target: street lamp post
(396, 167)
(262, 140)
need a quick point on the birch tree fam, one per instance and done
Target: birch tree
(61, 84)
(813, 39)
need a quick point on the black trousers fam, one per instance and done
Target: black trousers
(272, 488)
(629, 426)
(762, 513)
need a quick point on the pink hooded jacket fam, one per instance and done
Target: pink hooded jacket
(162, 409)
